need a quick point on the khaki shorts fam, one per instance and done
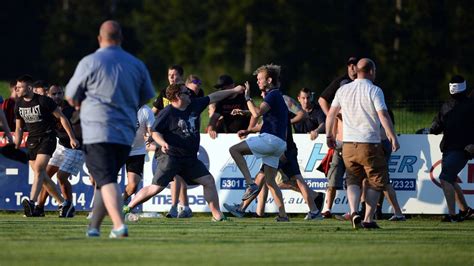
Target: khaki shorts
(365, 160)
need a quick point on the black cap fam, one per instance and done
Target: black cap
(352, 60)
(223, 80)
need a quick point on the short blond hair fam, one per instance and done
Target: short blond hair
(272, 71)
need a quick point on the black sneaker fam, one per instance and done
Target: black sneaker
(251, 191)
(452, 219)
(372, 225)
(28, 207)
(282, 219)
(356, 220)
(66, 211)
(319, 200)
(38, 211)
(465, 215)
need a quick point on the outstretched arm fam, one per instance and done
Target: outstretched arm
(221, 95)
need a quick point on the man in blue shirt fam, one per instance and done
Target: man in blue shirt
(176, 130)
(271, 143)
(108, 86)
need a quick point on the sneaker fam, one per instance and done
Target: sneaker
(326, 215)
(396, 218)
(251, 191)
(319, 200)
(120, 233)
(185, 213)
(38, 211)
(313, 216)
(66, 211)
(28, 207)
(235, 210)
(222, 219)
(282, 219)
(92, 232)
(356, 221)
(345, 217)
(465, 215)
(452, 218)
(132, 217)
(372, 225)
(173, 213)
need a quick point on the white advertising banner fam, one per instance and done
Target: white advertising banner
(414, 171)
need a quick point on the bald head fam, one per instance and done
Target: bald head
(110, 33)
(366, 69)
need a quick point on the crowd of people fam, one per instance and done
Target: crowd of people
(101, 118)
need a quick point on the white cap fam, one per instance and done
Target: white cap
(457, 87)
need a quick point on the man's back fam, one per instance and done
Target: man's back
(359, 101)
(115, 84)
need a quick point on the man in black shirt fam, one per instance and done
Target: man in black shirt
(65, 160)
(328, 94)
(38, 113)
(456, 121)
(223, 119)
(313, 122)
(176, 130)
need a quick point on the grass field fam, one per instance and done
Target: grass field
(251, 241)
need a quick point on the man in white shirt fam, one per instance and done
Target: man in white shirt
(363, 111)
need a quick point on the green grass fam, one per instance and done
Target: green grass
(197, 241)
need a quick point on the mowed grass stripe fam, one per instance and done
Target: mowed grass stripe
(198, 241)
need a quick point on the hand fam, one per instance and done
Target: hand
(243, 133)
(10, 139)
(165, 148)
(212, 133)
(236, 112)
(313, 135)
(74, 143)
(247, 90)
(331, 142)
(395, 144)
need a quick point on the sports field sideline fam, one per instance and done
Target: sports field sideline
(249, 241)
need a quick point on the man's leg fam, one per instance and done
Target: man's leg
(262, 200)
(371, 198)
(133, 179)
(449, 194)
(145, 194)
(65, 185)
(260, 181)
(113, 203)
(353, 195)
(391, 196)
(270, 174)
(39, 168)
(50, 170)
(98, 210)
(237, 152)
(460, 199)
(210, 195)
(305, 192)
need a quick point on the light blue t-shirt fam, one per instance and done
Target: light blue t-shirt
(112, 85)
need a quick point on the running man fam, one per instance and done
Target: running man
(38, 113)
(176, 130)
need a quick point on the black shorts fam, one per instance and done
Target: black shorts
(290, 166)
(169, 166)
(104, 161)
(41, 145)
(135, 164)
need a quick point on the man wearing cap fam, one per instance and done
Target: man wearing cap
(223, 119)
(337, 168)
(456, 121)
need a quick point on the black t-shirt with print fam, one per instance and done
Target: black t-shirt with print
(37, 115)
(233, 123)
(180, 129)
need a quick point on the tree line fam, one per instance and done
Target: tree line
(417, 45)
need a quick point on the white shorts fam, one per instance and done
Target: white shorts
(67, 160)
(268, 147)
